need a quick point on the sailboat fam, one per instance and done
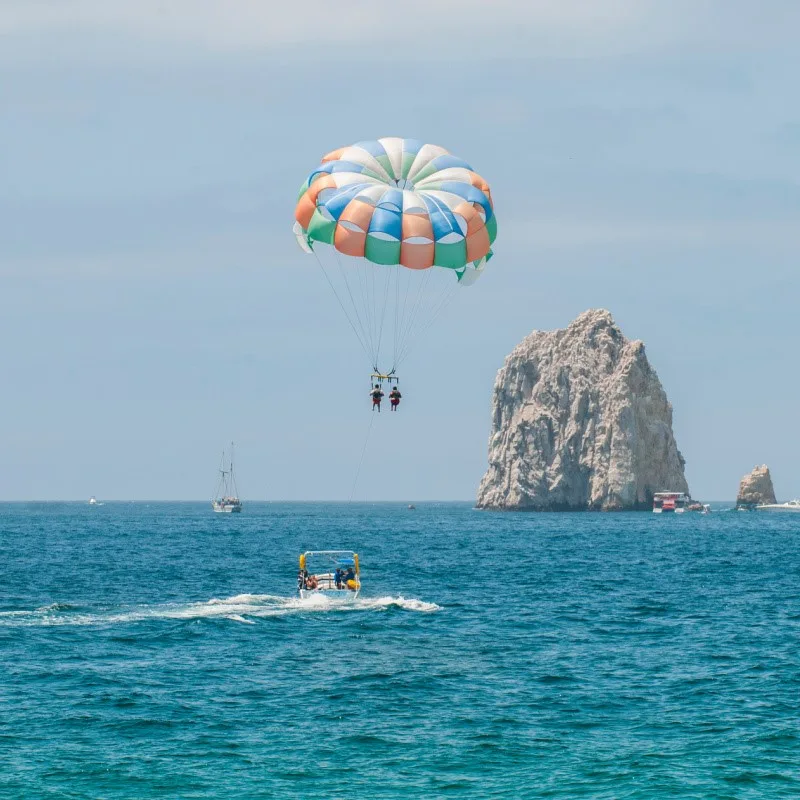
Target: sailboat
(226, 499)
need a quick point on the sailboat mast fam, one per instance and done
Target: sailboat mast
(222, 484)
(233, 478)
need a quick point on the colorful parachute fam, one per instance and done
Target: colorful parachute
(396, 207)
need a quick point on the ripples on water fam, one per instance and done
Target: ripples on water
(158, 651)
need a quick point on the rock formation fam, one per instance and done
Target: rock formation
(580, 422)
(756, 488)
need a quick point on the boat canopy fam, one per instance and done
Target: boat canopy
(316, 561)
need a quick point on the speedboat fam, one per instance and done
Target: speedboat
(670, 502)
(792, 505)
(329, 573)
(92, 501)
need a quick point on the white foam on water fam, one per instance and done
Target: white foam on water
(241, 608)
(239, 618)
(409, 604)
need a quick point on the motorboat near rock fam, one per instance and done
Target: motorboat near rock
(671, 502)
(329, 573)
(677, 503)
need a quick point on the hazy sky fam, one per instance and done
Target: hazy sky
(644, 156)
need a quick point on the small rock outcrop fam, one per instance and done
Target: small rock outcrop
(756, 488)
(580, 422)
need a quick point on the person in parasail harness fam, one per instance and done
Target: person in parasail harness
(377, 395)
(394, 398)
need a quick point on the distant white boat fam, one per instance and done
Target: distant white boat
(792, 505)
(93, 501)
(226, 499)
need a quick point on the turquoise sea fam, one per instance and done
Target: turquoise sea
(157, 651)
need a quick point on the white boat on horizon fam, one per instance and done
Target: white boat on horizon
(792, 505)
(226, 498)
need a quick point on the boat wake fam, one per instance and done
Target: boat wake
(242, 608)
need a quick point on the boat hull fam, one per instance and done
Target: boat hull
(779, 509)
(220, 509)
(333, 594)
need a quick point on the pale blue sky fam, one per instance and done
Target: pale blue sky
(644, 156)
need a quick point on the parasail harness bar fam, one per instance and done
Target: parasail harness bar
(379, 378)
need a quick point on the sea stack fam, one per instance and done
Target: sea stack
(756, 488)
(580, 422)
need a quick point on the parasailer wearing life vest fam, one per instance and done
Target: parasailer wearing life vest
(377, 396)
(394, 398)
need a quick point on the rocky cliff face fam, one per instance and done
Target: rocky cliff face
(756, 488)
(580, 422)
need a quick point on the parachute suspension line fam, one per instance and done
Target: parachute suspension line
(387, 271)
(414, 313)
(396, 310)
(405, 300)
(443, 301)
(341, 304)
(374, 307)
(361, 460)
(342, 271)
(359, 268)
(364, 269)
(409, 302)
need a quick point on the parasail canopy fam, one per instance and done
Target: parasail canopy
(396, 203)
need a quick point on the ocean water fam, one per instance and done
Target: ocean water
(158, 651)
